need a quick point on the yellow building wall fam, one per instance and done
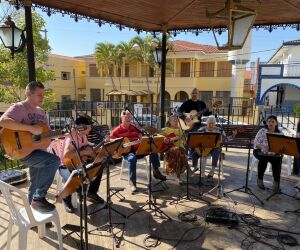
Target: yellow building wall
(69, 87)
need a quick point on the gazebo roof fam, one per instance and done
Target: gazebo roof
(158, 15)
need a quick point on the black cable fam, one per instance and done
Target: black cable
(286, 239)
(187, 217)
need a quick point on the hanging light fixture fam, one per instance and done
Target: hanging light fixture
(239, 19)
(157, 53)
(12, 37)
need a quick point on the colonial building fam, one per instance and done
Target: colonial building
(279, 79)
(189, 65)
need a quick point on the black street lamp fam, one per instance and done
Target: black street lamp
(158, 55)
(12, 37)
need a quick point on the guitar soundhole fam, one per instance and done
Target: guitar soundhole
(36, 137)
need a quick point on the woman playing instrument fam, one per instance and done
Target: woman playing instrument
(261, 152)
(175, 156)
(65, 150)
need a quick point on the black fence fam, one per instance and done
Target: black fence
(240, 111)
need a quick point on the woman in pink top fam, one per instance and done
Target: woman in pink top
(65, 149)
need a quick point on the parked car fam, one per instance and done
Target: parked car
(221, 120)
(59, 123)
(145, 120)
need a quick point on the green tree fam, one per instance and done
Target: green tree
(105, 56)
(14, 71)
(126, 54)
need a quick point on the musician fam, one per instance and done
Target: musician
(261, 148)
(193, 104)
(65, 149)
(24, 116)
(129, 130)
(175, 156)
(211, 127)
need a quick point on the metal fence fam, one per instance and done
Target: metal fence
(240, 111)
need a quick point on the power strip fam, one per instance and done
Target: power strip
(221, 216)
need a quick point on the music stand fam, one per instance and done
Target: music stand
(282, 145)
(106, 152)
(150, 145)
(245, 189)
(201, 141)
(76, 181)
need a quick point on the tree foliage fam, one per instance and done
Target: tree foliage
(14, 71)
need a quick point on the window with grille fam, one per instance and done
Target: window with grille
(207, 69)
(206, 96)
(93, 70)
(65, 75)
(185, 69)
(224, 69)
(126, 69)
(95, 94)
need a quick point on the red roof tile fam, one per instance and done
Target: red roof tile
(185, 46)
(63, 57)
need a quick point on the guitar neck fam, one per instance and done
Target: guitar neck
(51, 134)
(132, 143)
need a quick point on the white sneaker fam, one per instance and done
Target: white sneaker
(132, 187)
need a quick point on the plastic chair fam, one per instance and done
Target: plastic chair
(26, 217)
(124, 164)
(59, 185)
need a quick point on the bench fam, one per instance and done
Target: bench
(244, 138)
(98, 133)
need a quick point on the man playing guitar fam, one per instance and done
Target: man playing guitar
(24, 116)
(65, 150)
(127, 130)
(187, 107)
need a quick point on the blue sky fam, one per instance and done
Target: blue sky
(69, 38)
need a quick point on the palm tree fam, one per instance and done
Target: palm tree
(127, 54)
(144, 54)
(105, 58)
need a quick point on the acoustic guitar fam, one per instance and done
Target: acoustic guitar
(73, 163)
(125, 147)
(172, 138)
(18, 144)
(193, 115)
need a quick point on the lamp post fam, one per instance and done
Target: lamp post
(160, 54)
(12, 37)
(239, 19)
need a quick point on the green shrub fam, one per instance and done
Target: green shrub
(297, 109)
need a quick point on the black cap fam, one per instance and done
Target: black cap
(81, 120)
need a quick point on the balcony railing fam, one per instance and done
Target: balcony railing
(291, 70)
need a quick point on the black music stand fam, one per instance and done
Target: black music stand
(282, 145)
(149, 145)
(202, 141)
(78, 181)
(245, 189)
(106, 152)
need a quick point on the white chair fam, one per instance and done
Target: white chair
(254, 162)
(59, 185)
(204, 164)
(26, 217)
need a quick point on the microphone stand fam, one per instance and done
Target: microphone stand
(151, 201)
(82, 197)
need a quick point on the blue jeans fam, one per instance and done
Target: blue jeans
(42, 167)
(132, 159)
